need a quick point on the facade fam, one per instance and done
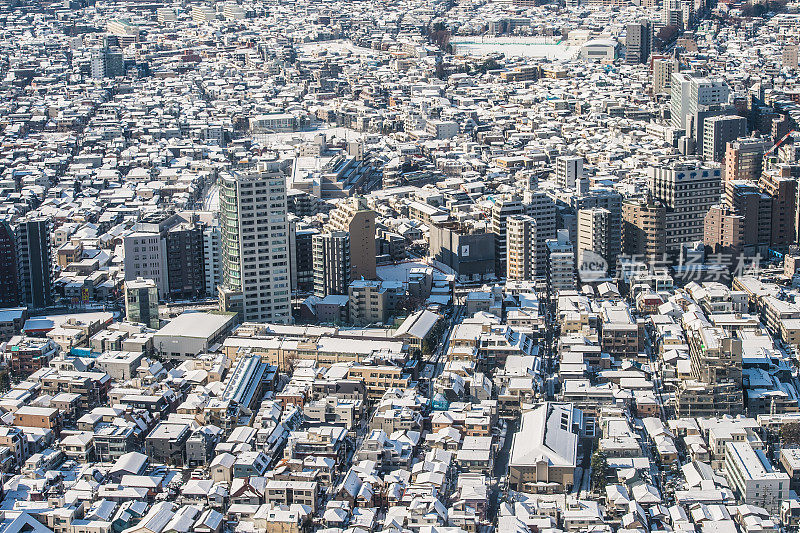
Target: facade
(503, 208)
(715, 385)
(718, 132)
(141, 302)
(687, 190)
(594, 234)
(643, 231)
(744, 158)
(751, 475)
(611, 201)
(372, 302)
(184, 248)
(212, 259)
(560, 264)
(521, 234)
(107, 62)
(304, 258)
(9, 281)
(569, 169)
(146, 258)
(662, 74)
(353, 216)
(638, 42)
(255, 244)
(34, 263)
(781, 188)
(724, 231)
(331, 260)
(166, 443)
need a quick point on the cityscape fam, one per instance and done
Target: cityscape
(414, 266)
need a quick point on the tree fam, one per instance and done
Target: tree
(599, 467)
(790, 433)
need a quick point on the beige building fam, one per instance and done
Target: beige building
(544, 451)
(643, 229)
(354, 217)
(594, 235)
(521, 257)
(378, 379)
(372, 301)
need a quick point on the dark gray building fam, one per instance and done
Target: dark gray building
(200, 445)
(9, 281)
(167, 443)
(469, 251)
(304, 258)
(186, 277)
(331, 263)
(34, 264)
(638, 42)
(112, 442)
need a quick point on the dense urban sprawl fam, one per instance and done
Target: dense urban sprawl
(414, 266)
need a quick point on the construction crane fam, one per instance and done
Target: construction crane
(780, 142)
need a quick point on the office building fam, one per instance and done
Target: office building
(672, 13)
(174, 250)
(255, 243)
(469, 249)
(687, 190)
(746, 199)
(569, 169)
(638, 42)
(146, 257)
(34, 263)
(141, 302)
(504, 207)
(107, 62)
(724, 232)
(543, 210)
(717, 132)
(688, 92)
(521, 234)
(789, 56)
(303, 253)
(331, 260)
(9, 281)
(373, 302)
(184, 246)
(354, 217)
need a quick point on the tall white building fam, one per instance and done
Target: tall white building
(687, 190)
(751, 475)
(594, 228)
(560, 263)
(212, 256)
(521, 234)
(146, 257)
(688, 92)
(569, 169)
(255, 243)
